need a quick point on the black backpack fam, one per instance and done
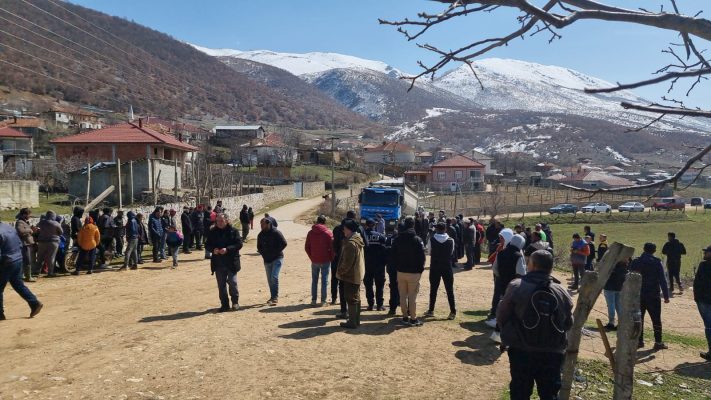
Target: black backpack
(542, 324)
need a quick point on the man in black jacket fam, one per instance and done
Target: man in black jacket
(271, 245)
(338, 238)
(197, 219)
(75, 224)
(469, 242)
(441, 249)
(408, 257)
(187, 224)
(224, 243)
(702, 296)
(454, 234)
(375, 257)
(653, 280)
(674, 249)
(244, 221)
(536, 350)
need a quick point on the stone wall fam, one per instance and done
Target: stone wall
(18, 194)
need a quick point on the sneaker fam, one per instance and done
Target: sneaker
(35, 309)
(495, 336)
(415, 322)
(610, 327)
(30, 279)
(348, 325)
(314, 303)
(660, 346)
(235, 307)
(392, 312)
(89, 272)
(429, 313)
(134, 267)
(273, 301)
(705, 356)
(324, 304)
(491, 323)
(223, 309)
(342, 315)
(406, 321)
(452, 315)
(380, 308)
(370, 307)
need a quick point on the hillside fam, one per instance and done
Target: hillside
(113, 63)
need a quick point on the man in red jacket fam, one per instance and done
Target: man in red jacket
(319, 247)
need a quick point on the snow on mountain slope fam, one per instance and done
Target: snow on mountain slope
(307, 63)
(520, 85)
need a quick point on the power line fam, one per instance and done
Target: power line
(40, 73)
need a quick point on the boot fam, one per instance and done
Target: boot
(357, 314)
(351, 323)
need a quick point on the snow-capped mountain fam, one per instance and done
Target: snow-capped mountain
(307, 63)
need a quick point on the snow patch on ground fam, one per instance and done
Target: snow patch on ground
(616, 155)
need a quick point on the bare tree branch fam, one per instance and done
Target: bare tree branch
(665, 77)
(660, 109)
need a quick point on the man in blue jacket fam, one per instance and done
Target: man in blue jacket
(155, 229)
(11, 269)
(131, 242)
(653, 281)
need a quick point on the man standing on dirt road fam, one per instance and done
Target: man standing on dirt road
(271, 245)
(674, 249)
(702, 296)
(223, 242)
(375, 258)
(244, 221)
(351, 268)
(652, 271)
(535, 316)
(11, 269)
(408, 256)
(319, 248)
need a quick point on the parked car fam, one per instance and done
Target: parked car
(596, 208)
(631, 206)
(564, 209)
(697, 201)
(669, 203)
(707, 203)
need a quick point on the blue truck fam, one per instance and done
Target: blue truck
(386, 201)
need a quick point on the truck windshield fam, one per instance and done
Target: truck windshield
(386, 199)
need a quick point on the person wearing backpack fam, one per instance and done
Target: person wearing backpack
(535, 316)
(223, 242)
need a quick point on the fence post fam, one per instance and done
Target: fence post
(628, 332)
(130, 173)
(88, 182)
(120, 193)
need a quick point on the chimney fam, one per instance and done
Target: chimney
(140, 123)
(14, 119)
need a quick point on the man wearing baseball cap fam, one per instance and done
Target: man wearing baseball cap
(702, 296)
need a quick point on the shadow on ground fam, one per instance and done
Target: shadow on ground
(478, 349)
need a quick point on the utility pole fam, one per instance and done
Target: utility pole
(333, 179)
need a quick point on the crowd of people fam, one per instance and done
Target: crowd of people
(531, 311)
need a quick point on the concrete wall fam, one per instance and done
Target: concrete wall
(18, 194)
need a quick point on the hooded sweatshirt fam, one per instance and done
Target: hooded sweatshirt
(89, 237)
(131, 226)
(351, 263)
(510, 262)
(441, 250)
(50, 229)
(319, 244)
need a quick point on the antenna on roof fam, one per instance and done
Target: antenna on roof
(130, 113)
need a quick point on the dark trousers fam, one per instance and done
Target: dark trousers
(496, 298)
(197, 239)
(155, 243)
(477, 254)
(27, 261)
(351, 292)
(187, 241)
(86, 258)
(394, 302)
(653, 306)
(374, 274)
(12, 273)
(119, 245)
(527, 368)
(674, 269)
(226, 284)
(578, 271)
(140, 253)
(337, 286)
(445, 275)
(245, 230)
(469, 251)
(105, 245)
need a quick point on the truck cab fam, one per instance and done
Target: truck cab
(386, 201)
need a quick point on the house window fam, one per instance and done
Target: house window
(475, 174)
(441, 175)
(458, 175)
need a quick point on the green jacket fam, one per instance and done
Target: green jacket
(351, 266)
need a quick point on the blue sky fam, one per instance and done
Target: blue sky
(612, 51)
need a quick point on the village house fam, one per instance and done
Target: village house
(14, 146)
(444, 154)
(29, 125)
(456, 172)
(185, 132)
(270, 150)
(63, 117)
(593, 179)
(424, 157)
(390, 153)
(483, 158)
(236, 135)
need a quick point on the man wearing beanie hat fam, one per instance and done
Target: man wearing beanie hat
(653, 281)
(351, 269)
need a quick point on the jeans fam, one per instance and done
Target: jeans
(674, 269)
(139, 253)
(316, 270)
(131, 252)
(394, 291)
(705, 311)
(612, 298)
(578, 271)
(272, 269)
(155, 242)
(542, 368)
(88, 257)
(173, 251)
(162, 245)
(119, 245)
(653, 305)
(438, 274)
(337, 286)
(226, 283)
(46, 253)
(409, 286)
(12, 273)
(374, 274)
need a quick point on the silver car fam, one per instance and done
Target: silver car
(631, 206)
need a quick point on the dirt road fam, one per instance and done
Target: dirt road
(153, 334)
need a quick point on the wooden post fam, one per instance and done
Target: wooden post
(88, 183)
(130, 173)
(120, 193)
(153, 182)
(175, 181)
(606, 343)
(590, 288)
(628, 332)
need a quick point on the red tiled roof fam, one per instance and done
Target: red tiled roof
(459, 161)
(13, 133)
(125, 133)
(392, 146)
